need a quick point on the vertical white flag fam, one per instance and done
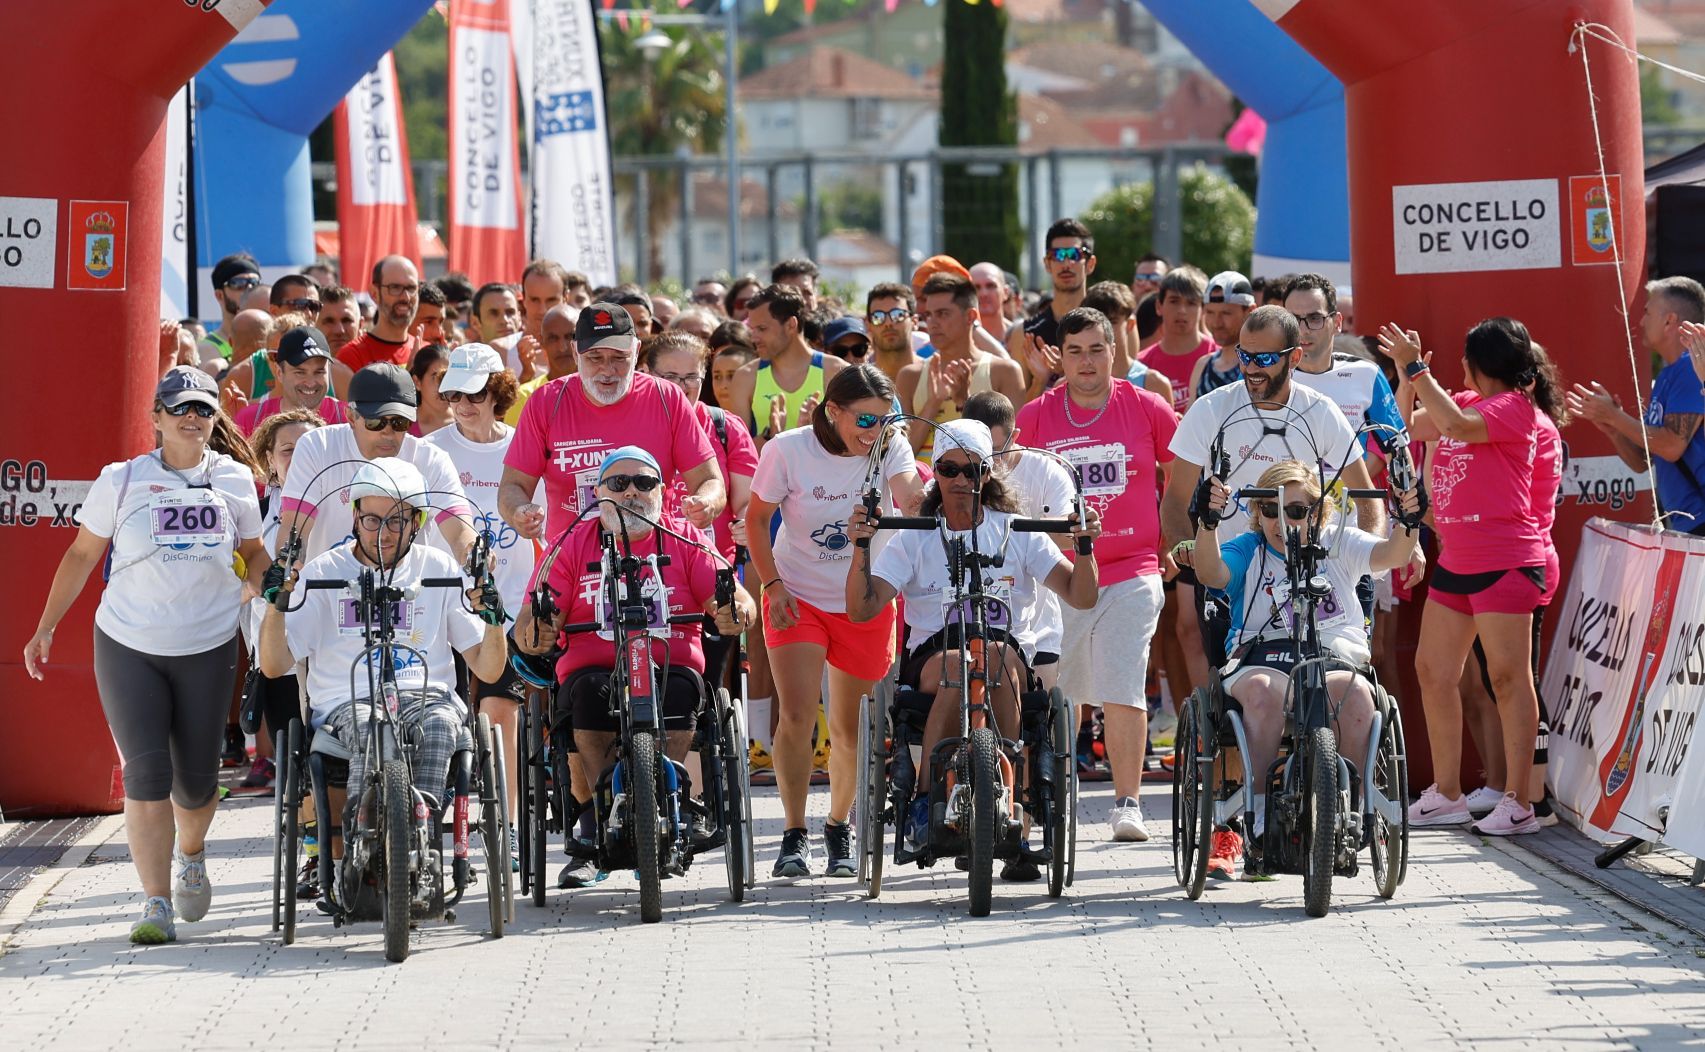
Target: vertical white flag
(175, 272)
(487, 241)
(572, 193)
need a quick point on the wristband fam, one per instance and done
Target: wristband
(773, 580)
(1416, 368)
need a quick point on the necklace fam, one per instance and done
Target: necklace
(1086, 423)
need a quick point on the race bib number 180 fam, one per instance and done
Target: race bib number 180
(1102, 468)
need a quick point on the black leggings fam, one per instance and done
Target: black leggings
(167, 716)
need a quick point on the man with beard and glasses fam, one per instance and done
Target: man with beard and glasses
(570, 425)
(396, 291)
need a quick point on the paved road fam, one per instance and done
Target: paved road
(1485, 945)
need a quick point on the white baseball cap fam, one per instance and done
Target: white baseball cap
(471, 365)
(1228, 286)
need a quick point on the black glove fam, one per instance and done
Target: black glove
(1202, 505)
(272, 585)
(491, 603)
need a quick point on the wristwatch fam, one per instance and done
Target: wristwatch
(1415, 368)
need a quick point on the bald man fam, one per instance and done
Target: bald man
(557, 341)
(247, 335)
(992, 294)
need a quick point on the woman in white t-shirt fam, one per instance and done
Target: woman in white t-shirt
(180, 519)
(815, 476)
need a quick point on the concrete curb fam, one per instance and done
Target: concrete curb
(23, 902)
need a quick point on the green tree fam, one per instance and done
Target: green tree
(672, 103)
(1656, 106)
(979, 201)
(1218, 219)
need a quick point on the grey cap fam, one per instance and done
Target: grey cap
(383, 389)
(186, 383)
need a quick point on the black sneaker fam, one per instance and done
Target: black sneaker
(1021, 871)
(795, 858)
(837, 845)
(236, 752)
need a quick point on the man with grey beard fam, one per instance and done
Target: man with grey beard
(570, 425)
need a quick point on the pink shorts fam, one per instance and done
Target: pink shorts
(861, 649)
(1517, 591)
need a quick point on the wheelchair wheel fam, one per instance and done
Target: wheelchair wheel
(737, 738)
(278, 809)
(289, 792)
(730, 762)
(1192, 796)
(1320, 820)
(1389, 841)
(492, 834)
(643, 827)
(985, 817)
(538, 797)
(1071, 836)
(501, 763)
(872, 796)
(523, 817)
(396, 816)
(1061, 828)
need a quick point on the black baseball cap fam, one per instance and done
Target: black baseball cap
(603, 325)
(303, 342)
(186, 383)
(234, 266)
(383, 389)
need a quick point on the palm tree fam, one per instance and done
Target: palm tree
(669, 103)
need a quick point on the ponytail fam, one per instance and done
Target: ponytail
(1545, 386)
(228, 440)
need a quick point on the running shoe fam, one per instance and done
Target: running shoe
(1126, 818)
(1021, 870)
(1482, 800)
(514, 852)
(837, 846)
(1509, 818)
(1436, 809)
(235, 751)
(581, 873)
(308, 881)
(156, 925)
(192, 892)
(795, 858)
(260, 773)
(1543, 811)
(1225, 857)
(758, 758)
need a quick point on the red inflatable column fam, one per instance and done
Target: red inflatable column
(84, 91)
(1475, 190)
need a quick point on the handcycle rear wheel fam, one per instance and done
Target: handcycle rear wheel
(1320, 820)
(985, 818)
(492, 834)
(642, 794)
(396, 817)
(539, 797)
(289, 794)
(872, 790)
(1389, 843)
(1061, 818)
(728, 757)
(1192, 797)
(738, 760)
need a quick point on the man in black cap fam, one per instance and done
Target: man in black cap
(302, 365)
(232, 277)
(381, 409)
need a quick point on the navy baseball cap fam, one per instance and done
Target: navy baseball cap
(186, 383)
(841, 327)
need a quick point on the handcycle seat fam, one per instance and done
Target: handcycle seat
(328, 744)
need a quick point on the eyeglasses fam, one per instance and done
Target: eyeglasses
(201, 409)
(707, 299)
(1293, 512)
(947, 469)
(400, 290)
(893, 316)
(395, 423)
(1313, 321)
(243, 282)
(391, 523)
(306, 306)
(620, 483)
(740, 303)
(866, 421)
(1149, 276)
(1069, 254)
(1262, 359)
(477, 397)
(682, 379)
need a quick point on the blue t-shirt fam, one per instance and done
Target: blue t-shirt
(1676, 392)
(1361, 392)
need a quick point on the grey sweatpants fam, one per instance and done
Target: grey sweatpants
(167, 716)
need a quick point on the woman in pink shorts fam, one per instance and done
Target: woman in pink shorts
(1494, 565)
(815, 477)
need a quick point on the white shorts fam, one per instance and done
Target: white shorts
(1104, 651)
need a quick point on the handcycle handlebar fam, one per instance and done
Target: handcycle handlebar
(1042, 526)
(674, 619)
(1257, 493)
(906, 522)
(1367, 494)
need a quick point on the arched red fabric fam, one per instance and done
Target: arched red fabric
(85, 93)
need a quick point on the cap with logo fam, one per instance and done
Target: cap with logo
(1228, 286)
(234, 266)
(603, 325)
(303, 342)
(471, 365)
(186, 383)
(383, 389)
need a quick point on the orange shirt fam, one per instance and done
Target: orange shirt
(367, 348)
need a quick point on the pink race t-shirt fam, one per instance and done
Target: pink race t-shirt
(1116, 455)
(738, 457)
(254, 414)
(1176, 367)
(1483, 492)
(688, 581)
(562, 437)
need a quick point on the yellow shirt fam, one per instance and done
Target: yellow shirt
(513, 417)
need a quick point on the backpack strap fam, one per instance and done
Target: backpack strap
(719, 420)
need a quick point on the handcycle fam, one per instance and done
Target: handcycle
(393, 864)
(973, 784)
(640, 805)
(1321, 809)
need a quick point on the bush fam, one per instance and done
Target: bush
(1219, 225)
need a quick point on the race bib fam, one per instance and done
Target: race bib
(1327, 613)
(997, 605)
(586, 489)
(349, 617)
(1102, 468)
(180, 518)
(656, 599)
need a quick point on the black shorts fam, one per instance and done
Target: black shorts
(509, 686)
(585, 698)
(1277, 654)
(1474, 583)
(912, 665)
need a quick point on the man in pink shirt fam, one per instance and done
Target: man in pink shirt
(1182, 343)
(302, 364)
(1116, 435)
(569, 425)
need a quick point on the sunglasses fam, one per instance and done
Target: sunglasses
(853, 351)
(886, 317)
(949, 470)
(201, 409)
(1069, 254)
(1262, 359)
(244, 283)
(1147, 275)
(395, 423)
(620, 483)
(1293, 512)
(477, 397)
(304, 305)
(866, 421)
(391, 523)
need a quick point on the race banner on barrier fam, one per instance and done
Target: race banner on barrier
(1625, 677)
(177, 270)
(375, 190)
(562, 86)
(487, 242)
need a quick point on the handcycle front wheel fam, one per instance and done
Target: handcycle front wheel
(492, 834)
(728, 759)
(643, 796)
(396, 815)
(986, 784)
(1389, 841)
(538, 795)
(289, 792)
(872, 789)
(1192, 796)
(1320, 820)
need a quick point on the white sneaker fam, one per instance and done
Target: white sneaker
(1126, 818)
(192, 892)
(1482, 800)
(1436, 809)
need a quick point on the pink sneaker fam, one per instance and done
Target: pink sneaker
(1508, 819)
(1436, 809)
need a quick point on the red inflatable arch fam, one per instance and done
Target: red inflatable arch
(85, 89)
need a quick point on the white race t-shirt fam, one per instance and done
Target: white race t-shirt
(1259, 590)
(479, 465)
(325, 463)
(1313, 431)
(816, 492)
(326, 630)
(915, 563)
(1044, 489)
(173, 588)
